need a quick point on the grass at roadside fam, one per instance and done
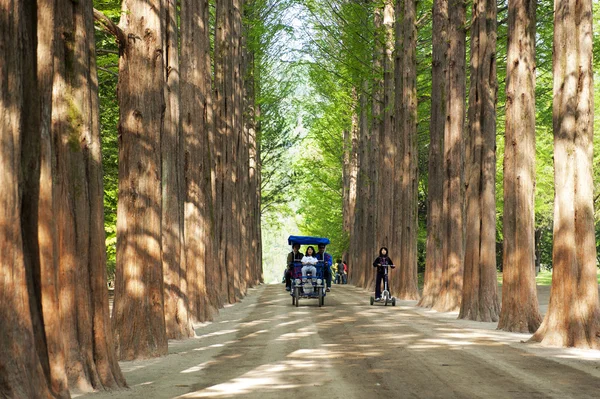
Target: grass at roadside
(543, 277)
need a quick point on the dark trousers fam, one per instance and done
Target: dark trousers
(288, 277)
(327, 276)
(381, 277)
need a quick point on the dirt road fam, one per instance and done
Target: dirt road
(265, 348)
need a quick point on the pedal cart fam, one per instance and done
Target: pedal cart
(385, 294)
(309, 286)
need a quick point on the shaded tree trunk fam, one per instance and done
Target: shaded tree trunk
(450, 294)
(91, 362)
(435, 247)
(223, 144)
(197, 125)
(407, 272)
(372, 234)
(385, 118)
(573, 317)
(24, 365)
(138, 313)
(480, 297)
(178, 322)
(520, 309)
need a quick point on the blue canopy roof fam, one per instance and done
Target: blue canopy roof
(304, 240)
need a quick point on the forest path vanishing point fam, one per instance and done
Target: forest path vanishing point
(265, 348)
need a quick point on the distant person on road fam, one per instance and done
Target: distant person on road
(339, 271)
(345, 275)
(295, 255)
(382, 260)
(328, 261)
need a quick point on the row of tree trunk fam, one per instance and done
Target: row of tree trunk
(381, 169)
(188, 227)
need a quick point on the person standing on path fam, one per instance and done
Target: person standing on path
(328, 261)
(382, 260)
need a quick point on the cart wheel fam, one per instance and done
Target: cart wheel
(294, 299)
(320, 294)
(297, 295)
(322, 297)
(372, 301)
(393, 301)
(385, 303)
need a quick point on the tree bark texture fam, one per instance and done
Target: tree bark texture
(573, 317)
(480, 297)
(435, 249)
(178, 321)
(197, 125)
(372, 235)
(406, 276)
(450, 294)
(23, 364)
(83, 297)
(520, 309)
(47, 287)
(387, 145)
(223, 142)
(138, 313)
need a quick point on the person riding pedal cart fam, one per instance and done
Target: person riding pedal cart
(382, 260)
(295, 255)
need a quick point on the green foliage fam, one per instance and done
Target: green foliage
(108, 61)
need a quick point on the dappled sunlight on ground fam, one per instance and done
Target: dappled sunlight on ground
(266, 348)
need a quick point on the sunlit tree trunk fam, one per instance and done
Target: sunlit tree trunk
(24, 364)
(91, 362)
(520, 309)
(573, 317)
(138, 313)
(197, 125)
(177, 317)
(372, 234)
(435, 248)
(223, 144)
(480, 297)
(387, 145)
(407, 271)
(47, 289)
(450, 294)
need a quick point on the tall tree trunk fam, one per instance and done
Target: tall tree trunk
(407, 285)
(138, 313)
(24, 365)
(197, 127)
(250, 131)
(178, 321)
(450, 294)
(83, 297)
(435, 247)
(520, 309)
(387, 145)
(573, 317)
(372, 234)
(480, 297)
(223, 143)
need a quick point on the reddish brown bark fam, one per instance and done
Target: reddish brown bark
(138, 313)
(450, 294)
(520, 309)
(573, 317)
(85, 324)
(197, 125)
(480, 299)
(24, 364)
(435, 248)
(407, 272)
(177, 317)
